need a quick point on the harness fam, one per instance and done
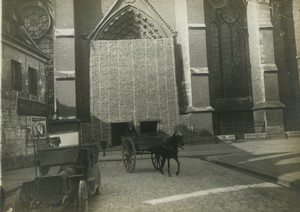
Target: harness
(180, 146)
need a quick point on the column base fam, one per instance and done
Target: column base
(268, 118)
(202, 125)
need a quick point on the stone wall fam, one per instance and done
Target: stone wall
(132, 80)
(64, 59)
(16, 128)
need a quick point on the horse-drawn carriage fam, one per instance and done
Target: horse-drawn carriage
(68, 175)
(155, 142)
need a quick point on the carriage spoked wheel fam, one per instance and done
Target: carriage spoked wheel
(156, 161)
(129, 155)
(21, 205)
(83, 202)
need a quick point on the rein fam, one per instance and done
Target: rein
(173, 144)
(180, 147)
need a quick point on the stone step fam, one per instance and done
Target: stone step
(226, 138)
(255, 136)
(291, 134)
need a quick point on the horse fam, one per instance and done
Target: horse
(169, 149)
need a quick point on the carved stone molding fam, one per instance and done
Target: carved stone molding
(130, 23)
(230, 14)
(218, 3)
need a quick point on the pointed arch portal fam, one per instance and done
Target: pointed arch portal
(132, 72)
(130, 23)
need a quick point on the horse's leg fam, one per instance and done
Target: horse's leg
(178, 164)
(169, 167)
(162, 165)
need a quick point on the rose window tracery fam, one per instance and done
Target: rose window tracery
(36, 20)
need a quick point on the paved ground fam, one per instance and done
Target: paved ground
(216, 188)
(276, 160)
(206, 187)
(203, 186)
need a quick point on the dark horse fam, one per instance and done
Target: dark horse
(168, 150)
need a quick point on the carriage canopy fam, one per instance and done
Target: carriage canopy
(69, 155)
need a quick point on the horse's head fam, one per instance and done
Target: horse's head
(178, 138)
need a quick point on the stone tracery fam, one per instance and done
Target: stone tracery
(130, 23)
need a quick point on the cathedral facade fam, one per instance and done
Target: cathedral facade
(213, 67)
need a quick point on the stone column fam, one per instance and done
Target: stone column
(201, 110)
(267, 109)
(296, 15)
(182, 41)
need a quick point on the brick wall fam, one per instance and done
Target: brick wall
(132, 80)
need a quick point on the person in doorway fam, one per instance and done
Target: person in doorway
(104, 146)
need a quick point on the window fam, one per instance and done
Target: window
(32, 81)
(148, 126)
(46, 46)
(227, 41)
(16, 75)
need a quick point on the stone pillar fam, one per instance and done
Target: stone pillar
(296, 15)
(267, 109)
(182, 41)
(201, 110)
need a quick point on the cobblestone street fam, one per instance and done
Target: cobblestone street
(208, 187)
(200, 186)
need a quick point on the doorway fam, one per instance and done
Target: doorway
(117, 130)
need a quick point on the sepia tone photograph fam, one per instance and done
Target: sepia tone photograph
(150, 105)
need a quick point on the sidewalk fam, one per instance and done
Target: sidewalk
(273, 160)
(276, 160)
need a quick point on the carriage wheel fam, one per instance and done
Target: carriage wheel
(129, 155)
(21, 205)
(156, 161)
(83, 202)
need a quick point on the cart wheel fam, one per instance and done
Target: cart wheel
(21, 205)
(156, 161)
(129, 155)
(83, 202)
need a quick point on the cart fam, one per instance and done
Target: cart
(68, 175)
(139, 143)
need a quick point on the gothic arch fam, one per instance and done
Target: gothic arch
(130, 23)
(228, 48)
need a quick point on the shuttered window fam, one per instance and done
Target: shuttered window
(16, 76)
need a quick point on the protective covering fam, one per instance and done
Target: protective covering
(59, 156)
(68, 155)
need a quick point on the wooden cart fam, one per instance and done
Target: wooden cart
(138, 143)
